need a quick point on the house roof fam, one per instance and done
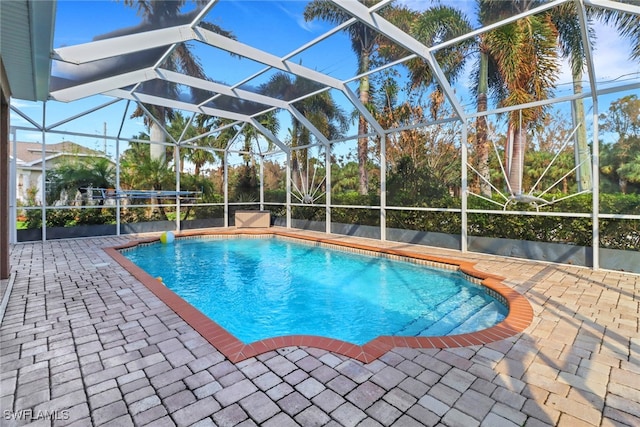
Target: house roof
(30, 153)
(26, 34)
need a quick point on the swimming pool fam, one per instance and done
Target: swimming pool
(518, 319)
(263, 288)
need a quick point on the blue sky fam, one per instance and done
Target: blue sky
(276, 27)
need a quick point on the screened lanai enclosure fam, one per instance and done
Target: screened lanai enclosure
(502, 127)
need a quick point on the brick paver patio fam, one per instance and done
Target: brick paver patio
(84, 343)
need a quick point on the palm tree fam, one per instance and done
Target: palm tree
(201, 156)
(137, 150)
(363, 42)
(251, 134)
(622, 118)
(200, 125)
(177, 128)
(104, 172)
(488, 82)
(157, 13)
(79, 174)
(627, 23)
(138, 171)
(566, 20)
(525, 59)
(219, 142)
(433, 26)
(320, 109)
(629, 27)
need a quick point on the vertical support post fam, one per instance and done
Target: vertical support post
(595, 159)
(327, 181)
(176, 165)
(261, 182)
(118, 204)
(225, 184)
(595, 167)
(464, 183)
(13, 192)
(288, 189)
(43, 178)
(383, 187)
(4, 181)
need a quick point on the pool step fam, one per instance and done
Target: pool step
(450, 322)
(432, 317)
(485, 317)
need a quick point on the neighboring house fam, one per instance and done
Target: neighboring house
(29, 162)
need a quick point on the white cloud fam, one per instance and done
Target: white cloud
(611, 62)
(297, 16)
(611, 55)
(29, 137)
(23, 105)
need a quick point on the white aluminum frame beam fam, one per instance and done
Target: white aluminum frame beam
(267, 133)
(178, 105)
(250, 52)
(614, 5)
(122, 45)
(306, 123)
(378, 23)
(174, 77)
(84, 113)
(104, 85)
(102, 49)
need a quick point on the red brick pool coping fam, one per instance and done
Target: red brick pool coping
(518, 319)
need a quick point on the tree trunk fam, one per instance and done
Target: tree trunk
(515, 159)
(157, 151)
(295, 161)
(581, 146)
(363, 142)
(623, 185)
(482, 146)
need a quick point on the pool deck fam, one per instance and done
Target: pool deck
(83, 342)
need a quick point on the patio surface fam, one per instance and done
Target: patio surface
(84, 343)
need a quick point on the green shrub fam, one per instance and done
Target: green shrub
(275, 196)
(614, 233)
(206, 212)
(33, 218)
(96, 216)
(441, 222)
(277, 211)
(356, 216)
(575, 231)
(620, 234)
(310, 213)
(61, 217)
(133, 215)
(355, 199)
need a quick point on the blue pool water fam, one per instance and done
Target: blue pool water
(261, 288)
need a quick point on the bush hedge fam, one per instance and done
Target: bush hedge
(614, 233)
